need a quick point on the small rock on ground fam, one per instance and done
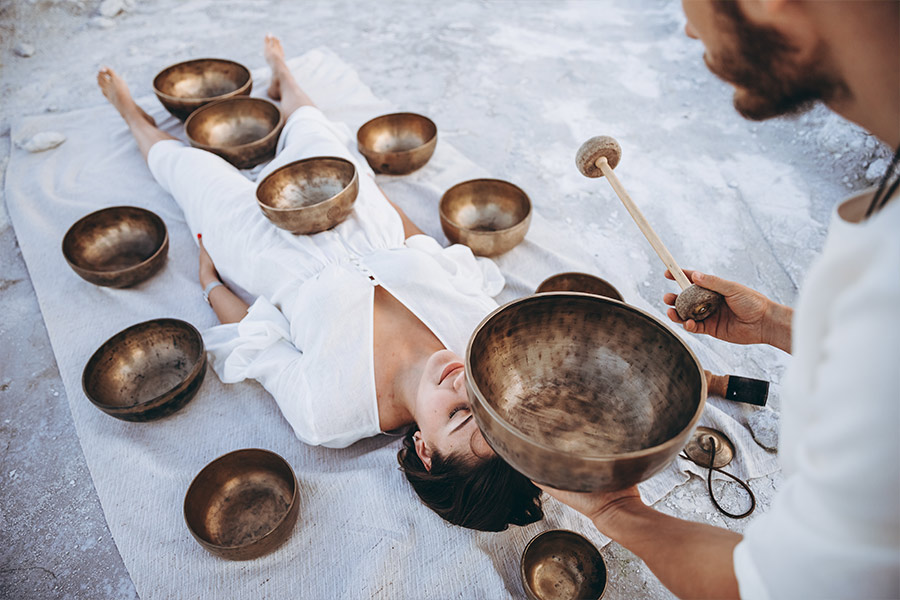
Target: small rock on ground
(44, 140)
(24, 50)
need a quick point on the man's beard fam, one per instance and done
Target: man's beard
(761, 65)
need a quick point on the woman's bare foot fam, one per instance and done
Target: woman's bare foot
(116, 91)
(274, 55)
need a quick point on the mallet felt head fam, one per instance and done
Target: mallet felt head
(592, 150)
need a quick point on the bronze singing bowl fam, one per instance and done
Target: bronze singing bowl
(309, 195)
(243, 504)
(489, 216)
(579, 282)
(147, 371)
(184, 87)
(581, 392)
(117, 247)
(398, 143)
(562, 565)
(242, 130)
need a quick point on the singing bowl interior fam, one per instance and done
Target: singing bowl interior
(581, 392)
(117, 247)
(398, 143)
(560, 564)
(309, 195)
(186, 86)
(490, 216)
(579, 282)
(242, 130)
(243, 504)
(146, 371)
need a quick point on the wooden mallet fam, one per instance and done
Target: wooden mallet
(597, 157)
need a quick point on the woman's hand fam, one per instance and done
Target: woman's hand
(746, 317)
(599, 507)
(208, 272)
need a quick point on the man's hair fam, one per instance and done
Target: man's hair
(482, 493)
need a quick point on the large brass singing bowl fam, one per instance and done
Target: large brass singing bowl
(117, 247)
(244, 131)
(243, 504)
(147, 371)
(310, 195)
(579, 282)
(581, 392)
(562, 565)
(398, 143)
(490, 216)
(184, 87)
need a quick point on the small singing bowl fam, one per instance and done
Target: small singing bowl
(489, 216)
(117, 246)
(562, 565)
(398, 143)
(579, 282)
(242, 130)
(310, 195)
(147, 371)
(184, 87)
(581, 392)
(243, 505)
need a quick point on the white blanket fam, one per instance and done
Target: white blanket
(362, 532)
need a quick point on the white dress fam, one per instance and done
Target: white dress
(308, 337)
(833, 530)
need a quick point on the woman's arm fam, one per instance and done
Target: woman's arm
(228, 307)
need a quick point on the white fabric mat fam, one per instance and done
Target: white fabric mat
(362, 532)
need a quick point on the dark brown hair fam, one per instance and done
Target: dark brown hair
(485, 493)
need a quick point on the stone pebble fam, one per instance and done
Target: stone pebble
(42, 141)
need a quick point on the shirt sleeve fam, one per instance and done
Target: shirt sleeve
(469, 274)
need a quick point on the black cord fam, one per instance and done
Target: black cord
(886, 187)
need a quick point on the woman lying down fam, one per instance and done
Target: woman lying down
(356, 330)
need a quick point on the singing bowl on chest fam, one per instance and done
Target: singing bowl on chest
(398, 143)
(243, 505)
(147, 371)
(490, 216)
(310, 195)
(186, 86)
(242, 130)
(118, 246)
(581, 392)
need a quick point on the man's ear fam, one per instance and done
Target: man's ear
(422, 451)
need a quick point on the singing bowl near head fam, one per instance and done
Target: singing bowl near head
(242, 130)
(490, 216)
(118, 246)
(581, 392)
(398, 143)
(310, 195)
(579, 282)
(186, 86)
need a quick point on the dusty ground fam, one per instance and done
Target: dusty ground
(510, 83)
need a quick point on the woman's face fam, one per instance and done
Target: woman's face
(442, 411)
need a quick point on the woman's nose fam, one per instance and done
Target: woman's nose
(689, 31)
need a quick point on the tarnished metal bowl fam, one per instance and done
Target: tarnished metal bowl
(243, 505)
(309, 195)
(490, 216)
(186, 86)
(244, 131)
(398, 143)
(579, 282)
(581, 392)
(147, 371)
(117, 246)
(562, 565)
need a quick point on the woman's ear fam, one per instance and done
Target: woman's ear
(422, 451)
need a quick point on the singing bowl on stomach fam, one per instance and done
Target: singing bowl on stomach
(186, 86)
(310, 195)
(562, 565)
(398, 143)
(579, 282)
(242, 130)
(490, 216)
(243, 504)
(581, 392)
(117, 246)
(147, 371)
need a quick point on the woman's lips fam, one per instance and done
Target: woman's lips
(454, 366)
